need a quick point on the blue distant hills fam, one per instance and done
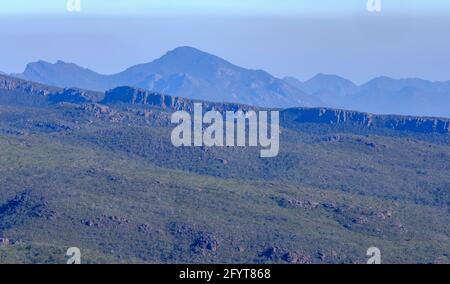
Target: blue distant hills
(191, 73)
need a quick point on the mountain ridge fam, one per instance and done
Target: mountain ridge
(383, 95)
(136, 96)
(191, 73)
(183, 71)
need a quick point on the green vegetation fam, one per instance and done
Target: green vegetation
(112, 184)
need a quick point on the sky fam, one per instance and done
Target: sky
(407, 38)
(219, 6)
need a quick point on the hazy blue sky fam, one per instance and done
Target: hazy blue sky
(220, 6)
(408, 38)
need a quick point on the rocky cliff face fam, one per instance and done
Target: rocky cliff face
(396, 122)
(130, 95)
(135, 96)
(53, 94)
(8, 83)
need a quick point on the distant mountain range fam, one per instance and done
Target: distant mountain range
(382, 95)
(190, 73)
(185, 72)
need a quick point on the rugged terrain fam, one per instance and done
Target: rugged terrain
(191, 73)
(98, 171)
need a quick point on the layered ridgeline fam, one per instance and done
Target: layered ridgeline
(22, 92)
(184, 71)
(13, 90)
(381, 95)
(191, 73)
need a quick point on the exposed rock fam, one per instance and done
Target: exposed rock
(329, 205)
(4, 242)
(106, 221)
(200, 241)
(8, 242)
(51, 127)
(54, 94)
(296, 258)
(223, 161)
(332, 256)
(271, 253)
(293, 203)
(89, 223)
(399, 227)
(205, 241)
(384, 214)
(395, 122)
(129, 95)
(275, 253)
(102, 111)
(144, 228)
(71, 95)
(362, 220)
(331, 138)
(14, 84)
(240, 248)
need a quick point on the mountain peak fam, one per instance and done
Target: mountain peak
(38, 65)
(185, 50)
(60, 62)
(62, 74)
(190, 55)
(329, 84)
(329, 78)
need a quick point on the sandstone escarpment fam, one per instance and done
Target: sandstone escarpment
(54, 94)
(395, 122)
(129, 95)
(135, 96)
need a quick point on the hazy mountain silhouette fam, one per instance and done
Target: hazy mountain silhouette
(332, 90)
(403, 96)
(62, 74)
(190, 73)
(382, 95)
(184, 71)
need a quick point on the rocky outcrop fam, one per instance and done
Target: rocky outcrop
(13, 84)
(277, 254)
(200, 241)
(54, 94)
(288, 117)
(106, 221)
(74, 95)
(129, 95)
(5, 242)
(336, 117)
